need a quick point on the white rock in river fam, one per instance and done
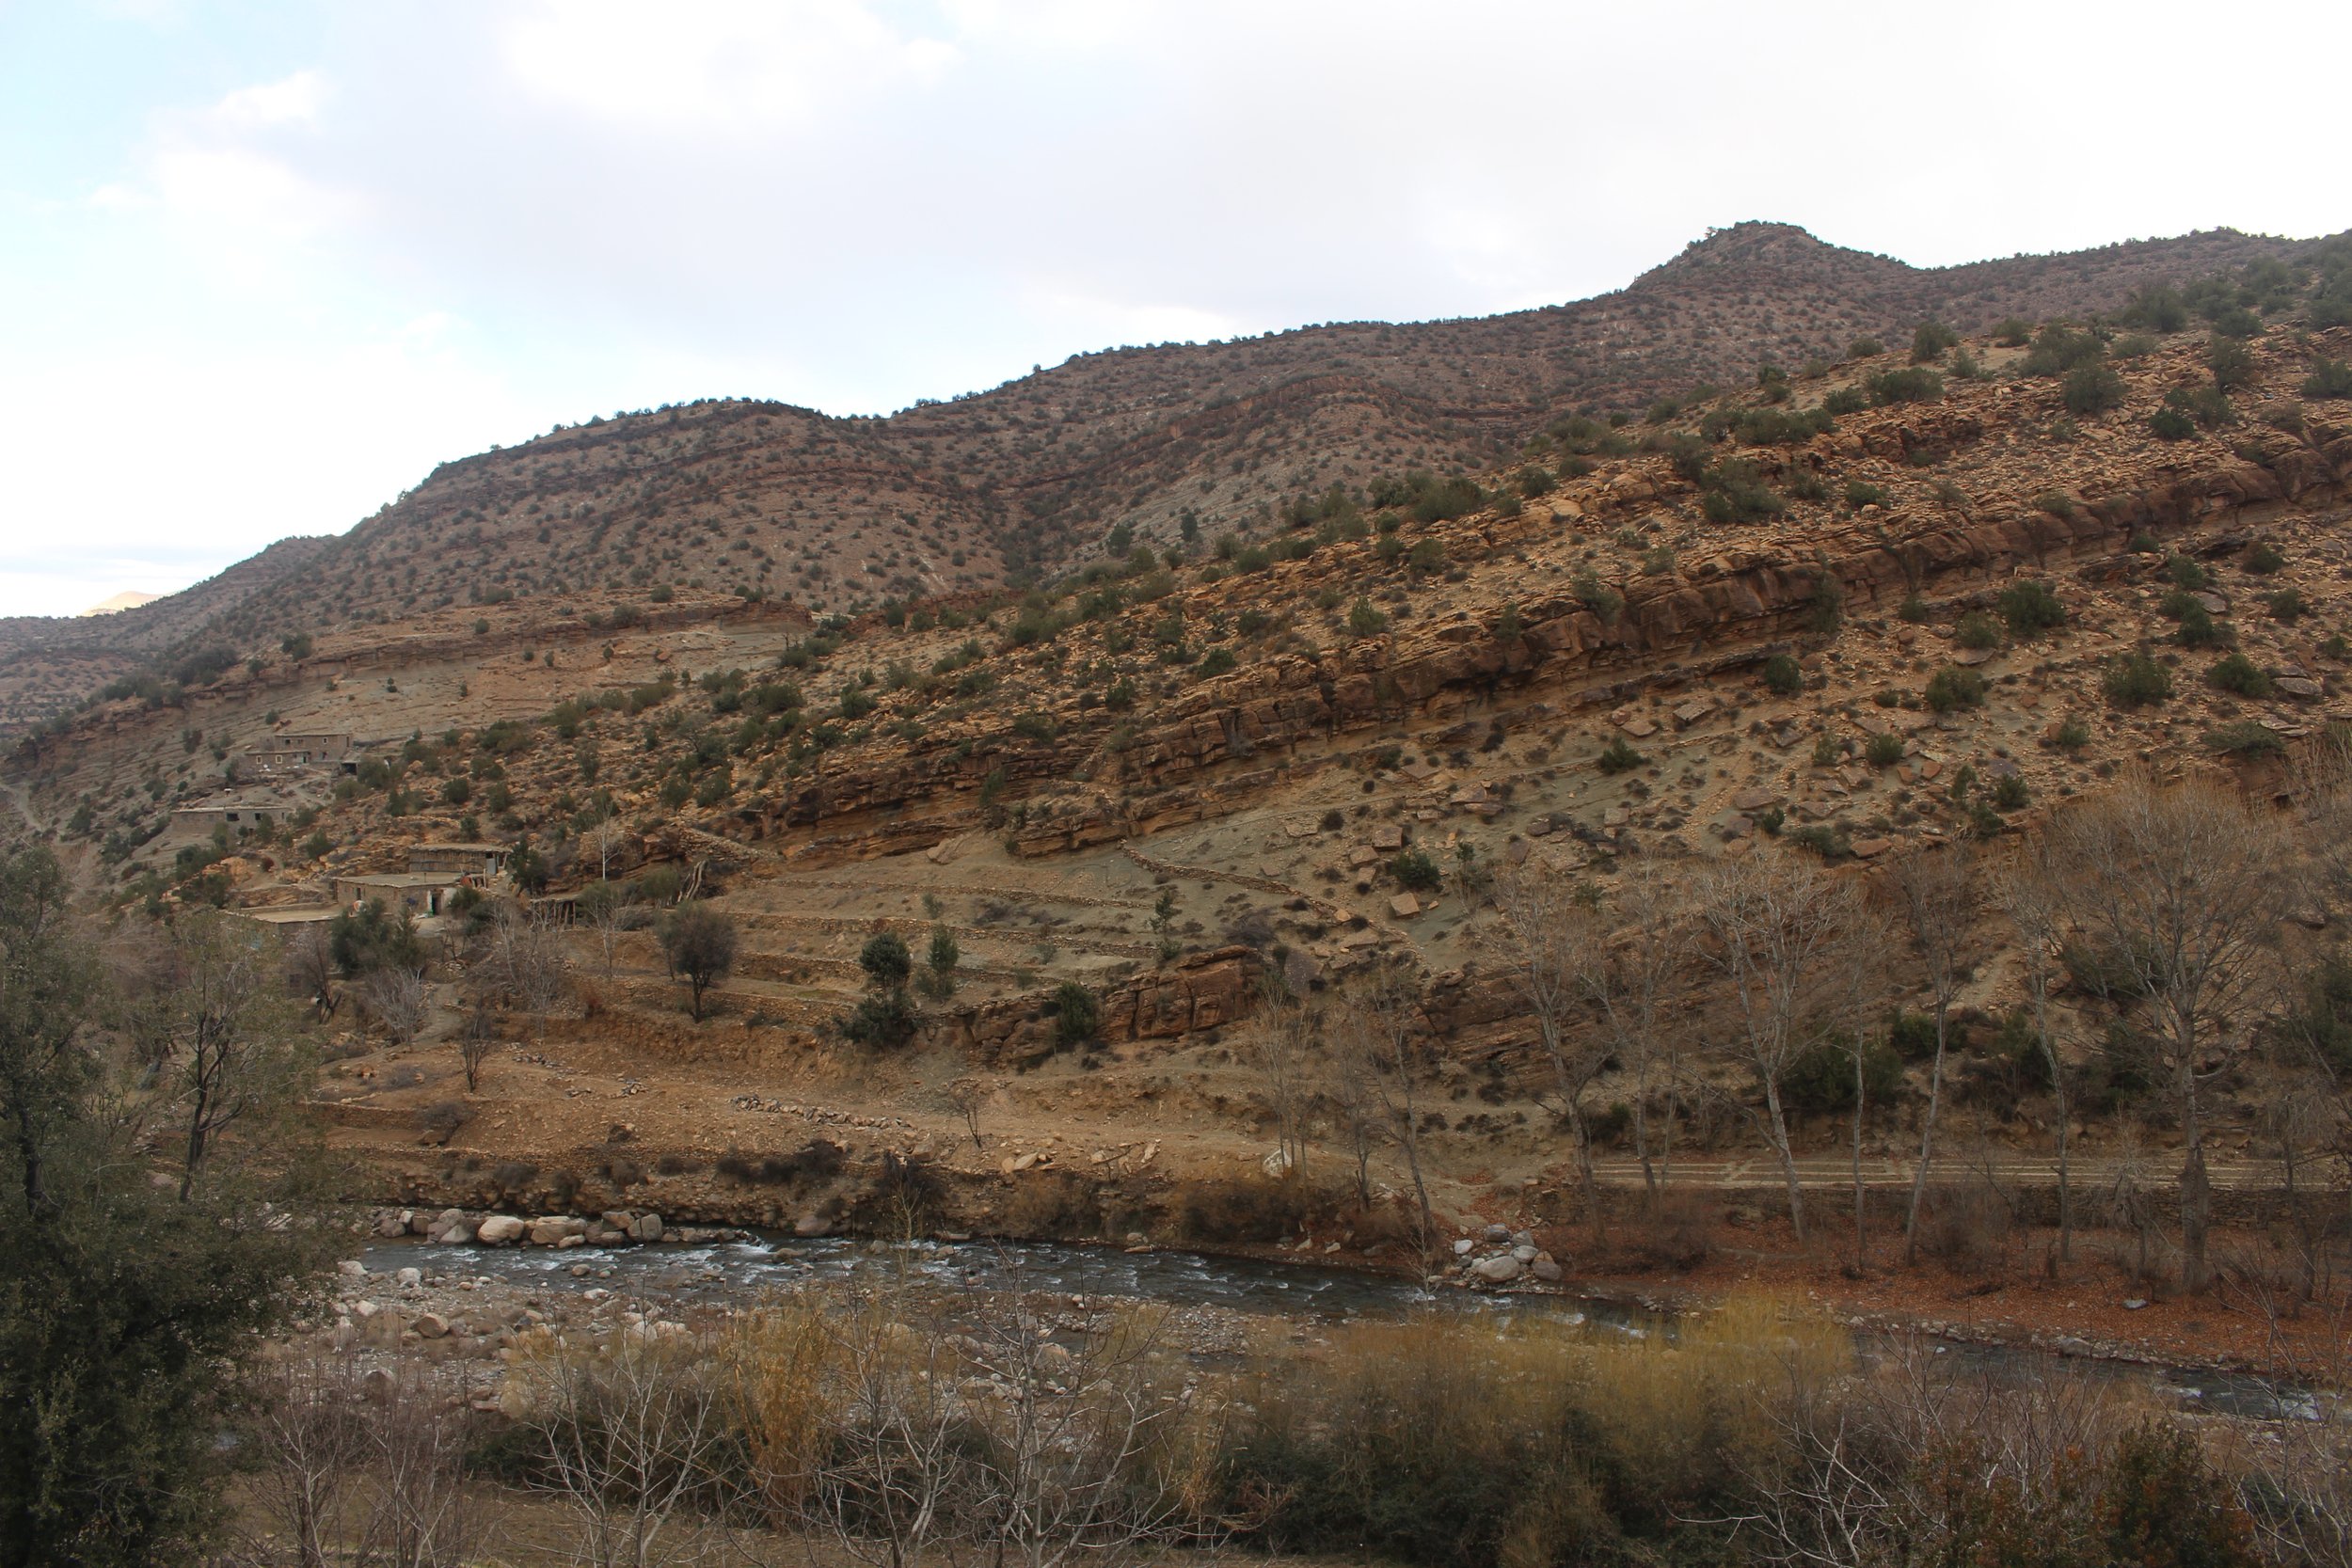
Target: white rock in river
(1498, 1271)
(1462, 1248)
(500, 1228)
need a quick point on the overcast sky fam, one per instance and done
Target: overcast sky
(262, 265)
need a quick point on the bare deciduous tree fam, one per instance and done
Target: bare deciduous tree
(1381, 1030)
(2030, 895)
(232, 1042)
(1635, 979)
(311, 1434)
(1548, 937)
(1935, 898)
(601, 907)
(477, 1040)
(522, 962)
(309, 951)
(396, 1000)
(1781, 934)
(626, 1437)
(1279, 1043)
(904, 1429)
(2178, 892)
(969, 1096)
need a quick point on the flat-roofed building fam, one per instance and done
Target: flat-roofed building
(473, 860)
(424, 892)
(278, 754)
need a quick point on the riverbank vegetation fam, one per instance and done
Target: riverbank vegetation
(906, 1424)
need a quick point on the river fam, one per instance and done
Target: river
(734, 1274)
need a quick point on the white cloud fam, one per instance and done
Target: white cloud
(714, 63)
(452, 223)
(291, 100)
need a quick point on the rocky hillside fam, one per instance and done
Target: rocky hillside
(1882, 606)
(1169, 445)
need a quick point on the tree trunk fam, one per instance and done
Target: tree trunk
(1861, 1209)
(2196, 1191)
(1927, 1137)
(1779, 1129)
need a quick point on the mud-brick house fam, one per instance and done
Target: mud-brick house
(484, 861)
(237, 810)
(420, 893)
(292, 750)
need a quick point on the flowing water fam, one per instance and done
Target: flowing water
(732, 1274)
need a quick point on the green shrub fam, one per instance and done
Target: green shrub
(1618, 757)
(2264, 559)
(1218, 661)
(1861, 493)
(2171, 424)
(2329, 378)
(1843, 400)
(2133, 345)
(2186, 573)
(2157, 307)
(2287, 605)
(2199, 629)
(2059, 348)
(1864, 348)
(1930, 340)
(2206, 407)
(2009, 792)
(1077, 1017)
(1977, 630)
(1364, 620)
(2230, 362)
(1822, 839)
(2244, 739)
(1884, 751)
(1822, 1080)
(1416, 871)
(2242, 675)
(2030, 608)
(1773, 427)
(2136, 680)
(2072, 735)
(1731, 492)
(1782, 677)
(2012, 332)
(1595, 595)
(1953, 687)
(881, 1021)
(1917, 384)
(2092, 389)
(1914, 608)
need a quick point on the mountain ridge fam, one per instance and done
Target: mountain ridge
(996, 487)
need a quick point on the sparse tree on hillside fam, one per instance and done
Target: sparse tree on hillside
(1781, 935)
(2030, 896)
(1636, 978)
(1380, 1030)
(600, 906)
(699, 942)
(1279, 1043)
(1935, 902)
(2176, 893)
(1547, 935)
(309, 951)
(523, 961)
(396, 1000)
